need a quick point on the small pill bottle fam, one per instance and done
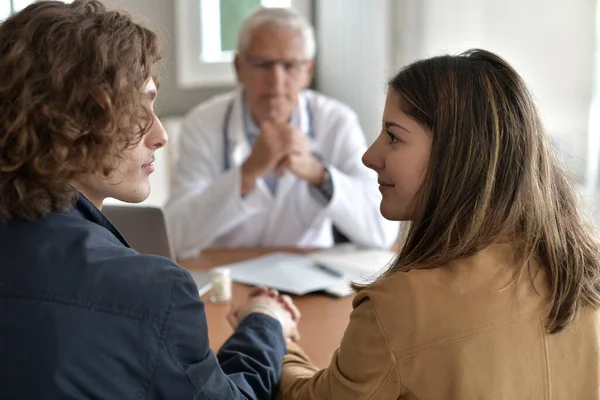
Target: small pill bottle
(221, 285)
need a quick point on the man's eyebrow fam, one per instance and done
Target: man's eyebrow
(389, 123)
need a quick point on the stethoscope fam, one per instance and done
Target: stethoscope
(226, 120)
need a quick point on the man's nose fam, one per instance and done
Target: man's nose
(277, 75)
(157, 135)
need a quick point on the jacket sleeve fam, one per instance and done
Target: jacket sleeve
(364, 367)
(205, 202)
(249, 364)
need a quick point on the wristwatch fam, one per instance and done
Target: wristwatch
(326, 186)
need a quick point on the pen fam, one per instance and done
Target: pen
(329, 270)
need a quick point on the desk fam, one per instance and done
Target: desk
(323, 321)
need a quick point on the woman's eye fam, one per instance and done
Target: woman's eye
(393, 138)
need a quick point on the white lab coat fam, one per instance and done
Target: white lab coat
(206, 209)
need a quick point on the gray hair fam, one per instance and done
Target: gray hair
(280, 18)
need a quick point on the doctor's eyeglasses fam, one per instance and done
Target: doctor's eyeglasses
(291, 67)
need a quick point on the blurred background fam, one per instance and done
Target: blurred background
(554, 44)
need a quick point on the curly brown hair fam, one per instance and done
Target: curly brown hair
(71, 100)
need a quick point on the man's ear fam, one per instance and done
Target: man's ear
(309, 72)
(237, 65)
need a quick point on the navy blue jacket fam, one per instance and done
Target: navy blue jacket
(83, 316)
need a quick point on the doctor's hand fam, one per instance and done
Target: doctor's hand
(273, 144)
(301, 162)
(269, 302)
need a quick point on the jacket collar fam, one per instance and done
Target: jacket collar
(84, 208)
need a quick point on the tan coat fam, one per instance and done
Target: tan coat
(458, 332)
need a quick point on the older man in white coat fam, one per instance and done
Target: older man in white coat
(273, 164)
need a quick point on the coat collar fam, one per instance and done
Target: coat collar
(85, 209)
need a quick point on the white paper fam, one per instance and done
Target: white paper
(357, 265)
(286, 272)
(361, 264)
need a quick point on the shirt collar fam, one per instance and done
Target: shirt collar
(250, 126)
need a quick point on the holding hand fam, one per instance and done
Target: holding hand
(269, 302)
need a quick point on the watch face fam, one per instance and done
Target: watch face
(327, 185)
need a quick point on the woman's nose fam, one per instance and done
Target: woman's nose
(373, 158)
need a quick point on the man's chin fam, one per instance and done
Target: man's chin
(277, 113)
(138, 195)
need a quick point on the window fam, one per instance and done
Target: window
(5, 10)
(8, 7)
(206, 34)
(593, 161)
(220, 21)
(18, 5)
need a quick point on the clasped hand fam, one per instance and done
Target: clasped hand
(265, 301)
(280, 147)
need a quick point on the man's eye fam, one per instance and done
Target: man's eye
(290, 65)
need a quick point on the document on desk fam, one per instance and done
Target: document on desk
(356, 264)
(353, 262)
(287, 272)
(331, 270)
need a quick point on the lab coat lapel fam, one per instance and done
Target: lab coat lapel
(239, 148)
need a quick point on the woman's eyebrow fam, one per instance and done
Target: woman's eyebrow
(389, 123)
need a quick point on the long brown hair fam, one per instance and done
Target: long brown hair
(71, 81)
(494, 177)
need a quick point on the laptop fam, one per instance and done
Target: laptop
(145, 229)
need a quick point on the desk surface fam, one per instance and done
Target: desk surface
(323, 321)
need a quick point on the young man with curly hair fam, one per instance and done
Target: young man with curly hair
(82, 315)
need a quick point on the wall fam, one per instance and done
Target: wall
(549, 42)
(354, 55)
(159, 15)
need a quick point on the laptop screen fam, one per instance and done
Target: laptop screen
(144, 228)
